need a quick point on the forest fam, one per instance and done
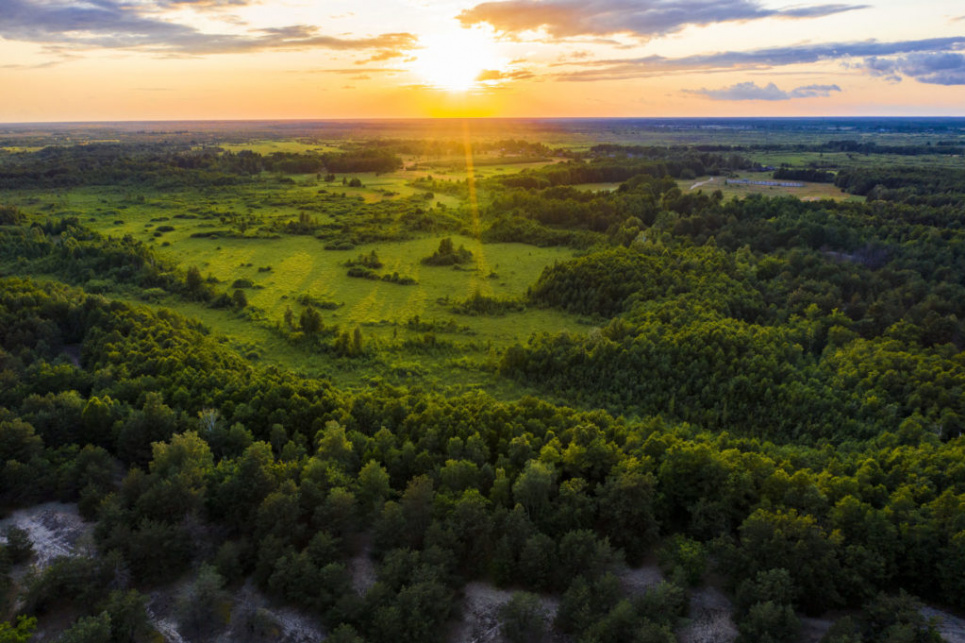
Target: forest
(760, 396)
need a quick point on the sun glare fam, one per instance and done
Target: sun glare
(453, 61)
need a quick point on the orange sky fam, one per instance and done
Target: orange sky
(240, 59)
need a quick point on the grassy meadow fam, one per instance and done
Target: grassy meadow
(456, 352)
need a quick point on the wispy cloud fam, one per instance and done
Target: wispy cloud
(626, 68)
(351, 71)
(43, 65)
(204, 4)
(113, 24)
(640, 18)
(489, 75)
(770, 92)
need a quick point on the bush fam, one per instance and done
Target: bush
(448, 255)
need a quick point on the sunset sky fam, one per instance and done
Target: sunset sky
(249, 59)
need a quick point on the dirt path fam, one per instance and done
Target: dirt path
(699, 183)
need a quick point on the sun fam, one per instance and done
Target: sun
(453, 61)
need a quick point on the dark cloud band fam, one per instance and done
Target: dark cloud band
(115, 25)
(883, 53)
(641, 18)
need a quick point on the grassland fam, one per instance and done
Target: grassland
(411, 333)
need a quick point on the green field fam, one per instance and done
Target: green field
(457, 353)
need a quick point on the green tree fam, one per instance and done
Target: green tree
(239, 299)
(310, 321)
(129, 619)
(197, 605)
(534, 489)
(19, 633)
(522, 619)
(769, 622)
(19, 548)
(193, 281)
(89, 629)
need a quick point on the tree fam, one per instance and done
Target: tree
(310, 321)
(334, 447)
(416, 506)
(89, 629)
(238, 299)
(19, 633)
(373, 488)
(155, 422)
(193, 281)
(769, 622)
(19, 548)
(533, 489)
(522, 619)
(198, 602)
(18, 441)
(796, 543)
(129, 619)
(626, 508)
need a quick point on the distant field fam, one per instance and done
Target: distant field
(270, 146)
(810, 191)
(834, 160)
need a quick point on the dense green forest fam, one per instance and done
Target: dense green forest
(767, 396)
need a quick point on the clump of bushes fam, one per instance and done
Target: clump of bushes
(448, 255)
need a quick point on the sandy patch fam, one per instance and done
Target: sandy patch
(710, 618)
(55, 529)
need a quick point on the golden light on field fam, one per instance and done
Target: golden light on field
(453, 61)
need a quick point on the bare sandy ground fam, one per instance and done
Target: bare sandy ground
(479, 622)
(55, 529)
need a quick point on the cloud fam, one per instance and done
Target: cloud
(113, 24)
(814, 91)
(359, 70)
(641, 18)
(497, 75)
(752, 91)
(943, 68)
(627, 68)
(43, 65)
(204, 4)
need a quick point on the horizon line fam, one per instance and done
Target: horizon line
(483, 118)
